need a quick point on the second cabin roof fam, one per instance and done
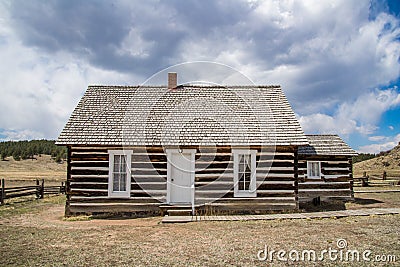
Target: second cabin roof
(326, 144)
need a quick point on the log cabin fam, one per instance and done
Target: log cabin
(187, 148)
(325, 168)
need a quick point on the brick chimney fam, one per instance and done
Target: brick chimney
(172, 80)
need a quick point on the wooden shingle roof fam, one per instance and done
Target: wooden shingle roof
(326, 144)
(187, 115)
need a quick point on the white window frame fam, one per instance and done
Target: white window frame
(309, 176)
(111, 154)
(252, 192)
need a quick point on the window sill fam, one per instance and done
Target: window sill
(116, 195)
(245, 194)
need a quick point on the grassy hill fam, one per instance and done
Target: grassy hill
(389, 162)
(43, 167)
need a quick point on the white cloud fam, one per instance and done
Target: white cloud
(328, 55)
(376, 138)
(16, 135)
(391, 127)
(360, 116)
(389, 143)
(39, 91)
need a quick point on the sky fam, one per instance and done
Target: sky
(337, 61)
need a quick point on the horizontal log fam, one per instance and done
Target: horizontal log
(213, 170)
(89, 168)
(89, 164)
(337, 173)
(148, 193)
(89, 178)
(78, 199)
(338, 179)
(148, 165)
(324, 192)
(338, 185)
(88, 172)
(88, 153)
(213, 176)
(88, 193)
(335, 176)
(230, 194)
(87, 183)
(252, 207)
(22, 194)
(101, 158)
(147, 176)
(271, 186)
(145, 172)
(114, 208)
(149, 186)
(336, 169)
(145, 179)
(87, 186)
(262, 200)
(20, 189)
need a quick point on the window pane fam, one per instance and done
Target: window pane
(244, 172)
(123, 164)
(241, 163)
(248, 164)
(116, 162)
(116, 178)
(122, 184)
(247, 181)
(314, 169)
(241, 181)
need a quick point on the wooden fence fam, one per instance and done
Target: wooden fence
(39, 190)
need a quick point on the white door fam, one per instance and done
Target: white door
(180, 172)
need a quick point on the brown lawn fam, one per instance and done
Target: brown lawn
(34, 234)
(42, 167)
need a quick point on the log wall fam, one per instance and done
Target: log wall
(87, 182)
(336, 178)
(276, 182)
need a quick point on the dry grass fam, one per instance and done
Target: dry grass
(34, 233)
(43, 238)
(376, 166)
(44, 167)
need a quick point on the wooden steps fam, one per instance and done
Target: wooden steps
(177, 209)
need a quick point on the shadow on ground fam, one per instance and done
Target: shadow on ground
(366, 201)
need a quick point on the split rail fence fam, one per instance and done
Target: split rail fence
(39, 190)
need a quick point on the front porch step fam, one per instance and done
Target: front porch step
(179, 212)
(177, 209)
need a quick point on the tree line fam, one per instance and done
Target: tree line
(29, 149)
(363, 156)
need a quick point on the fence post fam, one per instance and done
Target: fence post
(62, 188)
(42, 189)
(2, 193)
(384, 176)
(37, 189)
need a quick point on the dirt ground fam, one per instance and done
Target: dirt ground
(35, 234)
